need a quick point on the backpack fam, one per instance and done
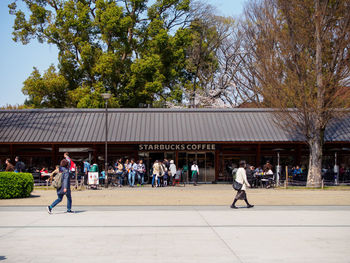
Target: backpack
(57, 183)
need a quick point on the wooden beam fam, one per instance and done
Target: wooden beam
(217, 164)
(258, 155)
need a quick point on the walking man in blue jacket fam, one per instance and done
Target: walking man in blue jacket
(65, 188)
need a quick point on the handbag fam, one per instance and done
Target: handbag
(236, 185)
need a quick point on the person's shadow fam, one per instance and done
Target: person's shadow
(75, 212)
(79, 211)
(33, 196)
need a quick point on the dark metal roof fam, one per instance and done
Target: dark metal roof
(151, 125)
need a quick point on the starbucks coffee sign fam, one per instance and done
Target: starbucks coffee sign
(177, 147)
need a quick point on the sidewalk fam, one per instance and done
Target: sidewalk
(189, 195)
(167, 234)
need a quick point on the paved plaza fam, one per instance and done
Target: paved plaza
(175, 234)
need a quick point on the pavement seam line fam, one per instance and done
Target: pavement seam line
(217, 234)
(178, 226)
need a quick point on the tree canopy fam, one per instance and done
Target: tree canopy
(133, 49)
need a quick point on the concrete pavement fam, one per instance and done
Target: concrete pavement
(175, 234)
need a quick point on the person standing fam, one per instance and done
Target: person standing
(156, 173)
(172, 169)
(9, 166)
(65, 188)
(141, 169)
(132, 172)
(87, 167)
(20, 166)
(241, 177)
(195, 173)
(119, 166)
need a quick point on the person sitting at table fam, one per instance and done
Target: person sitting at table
(53, 174)
(297, 173)
(9, 166)
(111, 175)
(44, 171)
(267, 167)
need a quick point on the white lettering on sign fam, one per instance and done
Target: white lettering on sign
(177, 147)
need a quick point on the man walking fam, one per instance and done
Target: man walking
(20, 166)
(65, 188)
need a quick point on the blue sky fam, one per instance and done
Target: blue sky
(17, 60)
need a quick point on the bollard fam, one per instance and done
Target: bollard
(286, 181)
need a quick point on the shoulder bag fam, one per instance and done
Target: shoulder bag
(236, 185)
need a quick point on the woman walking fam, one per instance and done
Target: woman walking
(65, 188)
(241, 177)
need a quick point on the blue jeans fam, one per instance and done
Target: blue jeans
(131, 178)
(121, 178)
(59, 199)
(154, 178)
(141, 178)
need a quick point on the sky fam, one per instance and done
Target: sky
(17, 60)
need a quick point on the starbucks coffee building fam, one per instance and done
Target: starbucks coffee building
(216, 138)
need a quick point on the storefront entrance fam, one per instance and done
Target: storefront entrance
(205, 162)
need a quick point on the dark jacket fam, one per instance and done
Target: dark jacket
(65, 181)
(20, 166)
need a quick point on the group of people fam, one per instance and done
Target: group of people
(19, 166)
(162, 173)
(165, 173)
(256, 174)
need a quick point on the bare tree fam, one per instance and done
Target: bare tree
(297, 57)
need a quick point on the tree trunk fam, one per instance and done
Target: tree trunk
(316, 143)
(315, 162)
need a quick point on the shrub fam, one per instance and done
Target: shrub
(15, 185)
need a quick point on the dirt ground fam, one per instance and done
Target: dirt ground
(189, 195)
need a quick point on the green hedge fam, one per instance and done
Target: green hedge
(15, 185)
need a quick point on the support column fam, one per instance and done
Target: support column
(258, 155)
(217, 164)
(53, 156)
(177, 159)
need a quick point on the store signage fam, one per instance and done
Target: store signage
(177, 147)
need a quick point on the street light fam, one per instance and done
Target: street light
(106, 97)
(278, 167)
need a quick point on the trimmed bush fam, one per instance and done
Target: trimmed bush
(15, 185)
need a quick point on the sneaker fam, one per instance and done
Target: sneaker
(250, 206)
(234, 207)
(70, 211)
(49, 210)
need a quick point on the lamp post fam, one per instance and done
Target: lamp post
(106, 97)
(278, 167)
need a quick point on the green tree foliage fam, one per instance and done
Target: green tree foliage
(133, 49)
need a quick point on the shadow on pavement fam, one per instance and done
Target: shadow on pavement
(2, 258)
(33, 196)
